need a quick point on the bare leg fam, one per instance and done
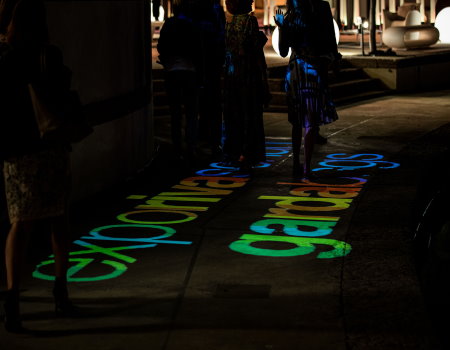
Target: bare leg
(296, 145)
(14, 252)
(310, 134)
(60, 246)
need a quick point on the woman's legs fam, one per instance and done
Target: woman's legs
(310, 134)
(174, 94)
(60, 245)
(14, 252)
(296, 145)
(190, 101)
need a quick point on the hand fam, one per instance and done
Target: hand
(279, 17)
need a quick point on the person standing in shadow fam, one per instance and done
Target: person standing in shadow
(307, 28)
(211, 23)
(36, 173)
(155, 9)
(180, 54)
(245, 88)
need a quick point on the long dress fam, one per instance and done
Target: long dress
(244, 90)
(310, 34)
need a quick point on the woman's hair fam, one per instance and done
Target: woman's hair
(6, 11)
(304, 5)
(28, 23)
(237, 7)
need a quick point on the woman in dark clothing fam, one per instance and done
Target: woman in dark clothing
(181, 57)
(307, 28)
(211, 24)
(155, 7)
(245, 87)
(37, 174)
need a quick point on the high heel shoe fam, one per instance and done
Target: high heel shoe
(245, 167)
(13, 322)
(63, 305)
(308, 175)
(297, 170)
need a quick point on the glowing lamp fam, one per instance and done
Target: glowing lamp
(276, 38)
(161, 13)
(443, 25)
(336, 31)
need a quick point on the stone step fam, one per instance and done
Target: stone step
(351, 84)
(362, 96)
(342, 101)
(161, 110)
(277, 84)
(354, 87)
(340, 92)
(157, 73)
(346, 74)
(160, 98)
(158, 85)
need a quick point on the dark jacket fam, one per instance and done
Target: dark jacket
(309, 33)
(19, 133)
(179, 41)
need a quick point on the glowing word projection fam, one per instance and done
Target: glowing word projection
(152, 222)
(298, 223)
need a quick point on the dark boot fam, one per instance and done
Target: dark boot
(320, 140)
(13, 322)
(63, 305)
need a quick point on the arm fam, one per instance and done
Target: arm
(283, 42)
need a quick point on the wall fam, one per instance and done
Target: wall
(107, 46)
(421, 70)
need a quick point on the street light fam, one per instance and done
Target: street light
(443, 25)
(276, 38)
(362, 24)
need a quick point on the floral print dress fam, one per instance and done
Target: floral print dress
(244, 90)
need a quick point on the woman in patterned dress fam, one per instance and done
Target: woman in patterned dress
(245, 87)
(36, 173)
(307, 28)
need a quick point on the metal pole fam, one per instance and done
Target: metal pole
(361, 29)
(372, 28)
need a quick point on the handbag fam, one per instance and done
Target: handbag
(57, 109)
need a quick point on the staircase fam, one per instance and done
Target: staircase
(350, 85)
(160, 102)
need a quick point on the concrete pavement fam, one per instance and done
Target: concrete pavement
(206, 259)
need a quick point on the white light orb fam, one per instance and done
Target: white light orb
(336, 31)
(161, 12)
(443, 25)
(276, 38)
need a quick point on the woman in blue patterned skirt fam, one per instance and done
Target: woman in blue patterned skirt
(307, 28)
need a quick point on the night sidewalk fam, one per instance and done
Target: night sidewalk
(232, 269)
